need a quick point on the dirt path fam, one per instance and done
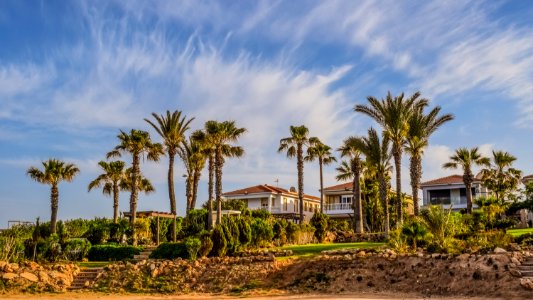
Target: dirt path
(100, 296)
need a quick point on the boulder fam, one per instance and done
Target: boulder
(499, 250)
(515, 272)
(9, 276)
(29, 276)
(526, 283)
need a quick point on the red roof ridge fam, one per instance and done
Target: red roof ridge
(450, 179)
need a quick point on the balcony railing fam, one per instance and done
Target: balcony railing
(338, 206)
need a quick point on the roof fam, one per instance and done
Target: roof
(452, 179)
(265, 188)
(343, 186)
(150, 213)
(527, 178)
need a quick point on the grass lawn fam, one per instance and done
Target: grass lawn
(315, 249)
(93, 264)
(519, 232)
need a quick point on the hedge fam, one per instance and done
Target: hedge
(113, 252)
(170, 251)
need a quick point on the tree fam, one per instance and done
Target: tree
(202, 137)
(500, 177)
(414, 231)
(221, 135)
(193, 156)
(466, 159)
(138, 144)
(114, 173)
(351, 148)
(172, 129)
(53, 173)
(294, 146)
(322, 153)
(420, 127)
(393, 114)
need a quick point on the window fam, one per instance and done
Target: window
(273, 202)
(346, 199)
(264, 203)
(305, 205)
(439, 197)
(285, 204)
(295, 205)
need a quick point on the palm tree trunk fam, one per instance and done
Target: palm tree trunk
(300, 165)
(218, 183)
(195, 181)
(416, 173)
(321, 186)
(54, 200)
(188, 192)
(211, 170)
(398, 166)
(357, 195)
(383, 197)
(115, 201)
(133, 196)
(171, 194)
(468, 179)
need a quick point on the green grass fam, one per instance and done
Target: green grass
(519, 232)
(315, 249)
(93, 264)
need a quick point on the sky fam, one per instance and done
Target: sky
(73, 73)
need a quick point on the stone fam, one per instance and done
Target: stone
(361, 254)
(499, 250)
(515, 261)
(2, 264)
(43, 277)
(9, 276)
(29, 276)
(526, 283)
(515, 272)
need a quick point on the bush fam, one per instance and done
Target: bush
(165, 224)
(98, 232)
(262, 233)
(280, 237)
(76, 249)
(170, 250)
(118, 231)
(245, 232)
(219, 242)
(206, 244)
(195, 222)
(193, 246)
(414, 232)
(231, 232)
(142, 231)
(320, 222)
(112, 252)
(524, 239)
(261, 214)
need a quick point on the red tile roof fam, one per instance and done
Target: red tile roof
(342, 186)
(452, 179)
(265, 188)
(527, 178)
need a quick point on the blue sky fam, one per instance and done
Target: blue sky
(72, 73)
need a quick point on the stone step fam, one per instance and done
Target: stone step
(522, 267)
(527, 273)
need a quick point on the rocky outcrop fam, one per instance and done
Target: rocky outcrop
(31, 276)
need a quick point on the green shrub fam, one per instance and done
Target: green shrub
(77, 227)
(170, 250)
(292, 232)
(206, 244)
(245, 232)
(320, 222)
(231, 232)
(262, 233)
(414, 232)
(279, 232)
(118, 231)
(193, 246)
(261, 214)
(219, 242)
(112, 252)
(98, 232)
(163, 228)
(76, 249)
(195, 222)
(50, 249)
(524, 239)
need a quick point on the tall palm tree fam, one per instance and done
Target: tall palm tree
(144, 184)
(194, 157)
(206, 141)
(466, 159)
(351, 148)
(53, 173)
(114, 173)
(321, 152)
(378, 156)
(221, 136)
(500, 177)
(420, 127)
(172, 129)
(393, 114)
(138, 144)
(294, 146)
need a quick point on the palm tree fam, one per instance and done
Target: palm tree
(220, 136)
(500, 177)
(415, 231)
(393, 114)
(351, 148)
(193, 156)
(171, 128)
(322, 153)
(54, 172)
(144, 184)
(294, 146)
(466, 159)
(421, 127)
(114, 174)
(205, 140)
(138, 144)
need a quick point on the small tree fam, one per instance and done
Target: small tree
(320, 222)
(219, 241)
(414, 231)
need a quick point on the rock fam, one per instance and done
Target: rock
(29, 276)
(2, 264)
(435, 255)
(515, 261)
(43, 277)
(361, 254)
(526, 283)
(9, 276)
(152, 267)
(515, 272)
(499, 250)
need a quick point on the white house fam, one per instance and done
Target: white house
(450, 191)
(338, 200)
(278, 201)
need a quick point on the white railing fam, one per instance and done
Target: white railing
(338, 206)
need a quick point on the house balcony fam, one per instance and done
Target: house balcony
(343, 209)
